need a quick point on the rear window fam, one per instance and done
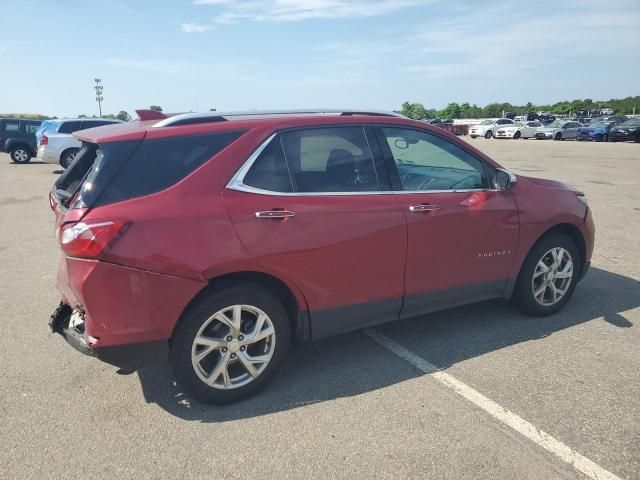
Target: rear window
(158, 164)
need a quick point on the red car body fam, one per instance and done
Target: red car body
(343, 262)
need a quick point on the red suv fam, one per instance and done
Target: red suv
(216, 240)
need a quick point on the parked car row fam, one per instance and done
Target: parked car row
(600, 130)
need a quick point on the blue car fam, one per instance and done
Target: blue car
(596, 132)
(43, 126)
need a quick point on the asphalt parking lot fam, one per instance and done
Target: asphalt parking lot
(348, 406)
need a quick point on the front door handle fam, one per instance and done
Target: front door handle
(424, 207)
(276, 213)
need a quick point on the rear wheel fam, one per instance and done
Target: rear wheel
(230, 344)
(548, 276)
(488, 135)
(558, 136)
(68, 156)
(20, 154)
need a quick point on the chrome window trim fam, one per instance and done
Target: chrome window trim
(236, 182)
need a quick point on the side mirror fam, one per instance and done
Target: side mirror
(504, 180)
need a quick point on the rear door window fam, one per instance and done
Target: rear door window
(270, 171)
(158, 164)
(333, 159)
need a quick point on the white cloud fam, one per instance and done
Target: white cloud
(298, 10)
(195, 28)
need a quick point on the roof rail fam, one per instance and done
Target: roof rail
(210, 117)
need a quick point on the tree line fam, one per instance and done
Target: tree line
(624, 106)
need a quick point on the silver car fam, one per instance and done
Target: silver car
(559, 130)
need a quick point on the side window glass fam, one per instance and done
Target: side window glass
(69, 127)
(270, 171)
(160, 163)
(11, 127)
(428, 162)
(31, 128)
(334, 159)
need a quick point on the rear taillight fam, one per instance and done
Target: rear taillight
(90, 239)
(44, 140)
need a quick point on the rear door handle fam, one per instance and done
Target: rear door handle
(424, 207)
(275, 213)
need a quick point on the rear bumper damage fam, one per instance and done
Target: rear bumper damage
(69, 323)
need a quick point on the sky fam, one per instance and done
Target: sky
(259, 54)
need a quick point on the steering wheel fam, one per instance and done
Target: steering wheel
(461, 181)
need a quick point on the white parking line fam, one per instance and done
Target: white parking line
(520, 425)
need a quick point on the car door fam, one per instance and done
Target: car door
(571, 130)
(531, 129)
(314, 208)
(462, 234)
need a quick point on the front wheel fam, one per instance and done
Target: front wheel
(548, 276)
(20, 154)
(488, 135)
(230, 344)
(517, 135)
(605, 138)
(558, 136)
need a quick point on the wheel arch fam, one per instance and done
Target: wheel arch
(292, 299)
(64, 151)
(568, 229)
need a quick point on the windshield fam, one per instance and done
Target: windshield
(556, 124)
(486, 122)
(634, 122)
(598, 125)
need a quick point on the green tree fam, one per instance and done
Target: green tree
(450, 111)
(124, 116)
(157, 108)
(414, 110)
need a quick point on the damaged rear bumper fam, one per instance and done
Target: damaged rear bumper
(129, 357)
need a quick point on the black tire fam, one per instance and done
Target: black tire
(523, 296)
(195, 317)
(517, 135)
(67, 157)
(488, 135)
(605, 138)
(20, 154)
(558, 136)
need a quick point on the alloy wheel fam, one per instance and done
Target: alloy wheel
(233, 347)
(20, 155)
(552, 276)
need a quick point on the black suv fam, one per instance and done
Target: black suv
(18, 138)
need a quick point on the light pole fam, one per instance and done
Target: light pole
(99, 97)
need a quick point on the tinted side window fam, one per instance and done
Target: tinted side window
(31, 127)
(428, 162)
(334, 159)
(11, 126)
(86, 125)
(69, 127)
(158, 164)
(270, 171)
